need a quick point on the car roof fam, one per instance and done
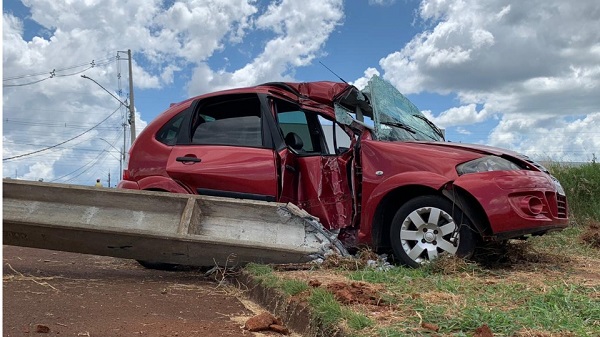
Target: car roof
(324, 92)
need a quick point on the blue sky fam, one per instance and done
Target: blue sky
(518, 75)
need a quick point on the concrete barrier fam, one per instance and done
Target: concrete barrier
(160, 227)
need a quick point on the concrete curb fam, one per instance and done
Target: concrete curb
(297, 316)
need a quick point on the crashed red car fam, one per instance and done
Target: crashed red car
(367, 163)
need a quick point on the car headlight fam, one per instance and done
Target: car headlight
(558, 186)
(486, 164)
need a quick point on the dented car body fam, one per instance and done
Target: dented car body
(367, 163)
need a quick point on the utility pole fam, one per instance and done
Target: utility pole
(109, 179)
(131, 106)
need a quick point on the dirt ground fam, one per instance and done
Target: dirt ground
(87, 295)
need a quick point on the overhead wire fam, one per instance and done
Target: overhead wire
(61, 143)
(54, 74)
(98, 63)
(91, 163)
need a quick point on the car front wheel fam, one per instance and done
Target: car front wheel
(428, 226)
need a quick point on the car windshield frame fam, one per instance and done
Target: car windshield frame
(393, 117)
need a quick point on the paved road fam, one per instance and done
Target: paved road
(87, 295)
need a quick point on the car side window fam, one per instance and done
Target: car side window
(294, 122)
(231, 120)
(300, 129)
(338, 141)
(169, 132)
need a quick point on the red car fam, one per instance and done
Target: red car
(367, 163)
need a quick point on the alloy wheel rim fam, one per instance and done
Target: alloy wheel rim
(428, 232)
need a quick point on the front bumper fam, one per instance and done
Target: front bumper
(517, 203)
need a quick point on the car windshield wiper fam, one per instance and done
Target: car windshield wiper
(401, 126)
(430, 123)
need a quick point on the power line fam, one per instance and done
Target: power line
(53, 73)
(68, 140)
(98, 63)
(19, 124)
(91, 164)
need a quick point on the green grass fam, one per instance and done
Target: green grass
(330, 312)
(326, 308)
(293, 287)
(567, 241)
(459, 305)
(469, 295)
(535, 291)
(582, 186)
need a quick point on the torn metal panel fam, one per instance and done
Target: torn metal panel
(160, 227)
(325, 191)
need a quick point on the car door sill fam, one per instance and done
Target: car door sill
(237, 195)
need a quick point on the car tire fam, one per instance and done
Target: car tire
(157, 265)
(425, 228)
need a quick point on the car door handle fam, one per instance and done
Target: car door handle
(188, 159)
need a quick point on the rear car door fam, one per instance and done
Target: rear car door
(224, 152)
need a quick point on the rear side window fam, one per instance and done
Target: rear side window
(169, 132)
(232, 120)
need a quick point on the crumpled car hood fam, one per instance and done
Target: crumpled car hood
(490, 150)
(483, 149)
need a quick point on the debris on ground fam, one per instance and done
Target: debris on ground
(41, 328)
(314, 283)
(266, 322)
(451, 265)
(514, 253)
(483, 331)
(355, 292)
(430, 326)
(364, 258)
(293, 266)
(591, 235)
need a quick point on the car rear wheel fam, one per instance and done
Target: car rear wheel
(429, 226)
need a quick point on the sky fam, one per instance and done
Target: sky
(521, 75)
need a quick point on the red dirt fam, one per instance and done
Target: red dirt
(592, 235)
(355, 293)
(87, 295)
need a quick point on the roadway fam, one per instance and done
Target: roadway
(88, 295)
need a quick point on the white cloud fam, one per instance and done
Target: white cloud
(549, 138)
(362, 82)
(294, 45)
(463, 131)
(533, 58)
(168, 40)
(462, 115)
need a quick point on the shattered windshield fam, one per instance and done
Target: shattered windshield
(391, 115)
(395, 117)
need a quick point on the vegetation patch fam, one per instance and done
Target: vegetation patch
(582, 186)
(547, 286)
